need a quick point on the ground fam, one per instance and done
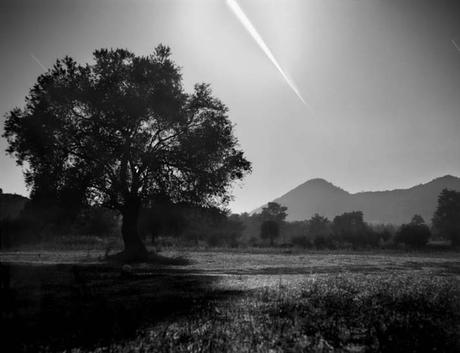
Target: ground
(234, 301)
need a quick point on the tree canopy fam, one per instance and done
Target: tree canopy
(319, 226)
(270, 230)
(349, 223)
(446, 219)
(415, 234)
(121, 132)
(272, 216)
(274, 212)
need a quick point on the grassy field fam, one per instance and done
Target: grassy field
(234, 301)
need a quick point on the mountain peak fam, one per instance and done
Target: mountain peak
(319, 182)
(314, 186)
(445, 178)
(447, 181)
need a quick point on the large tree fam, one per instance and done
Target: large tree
(122, 132)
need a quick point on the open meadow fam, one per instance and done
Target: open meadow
(233, 301)
(230, 176)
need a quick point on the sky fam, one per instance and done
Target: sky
(380, 79)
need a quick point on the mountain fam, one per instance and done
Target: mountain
(11, 205)
(392, 206)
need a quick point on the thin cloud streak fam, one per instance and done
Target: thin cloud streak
(239, 13)
(455, 45)
(38, 62)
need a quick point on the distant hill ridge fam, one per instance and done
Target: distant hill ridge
(391, 206)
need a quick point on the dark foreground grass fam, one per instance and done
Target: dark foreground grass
(57, 307)
(107, 307)
(345, 313)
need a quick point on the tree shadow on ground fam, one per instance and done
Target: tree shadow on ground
(61, 306)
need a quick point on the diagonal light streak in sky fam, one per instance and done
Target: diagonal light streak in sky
(454, 43)
(239, 13)
(38, 62)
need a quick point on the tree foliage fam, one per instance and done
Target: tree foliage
(319, 226)
(274, 212)
(446, 219)
(350, 227)
(414, 234)
(272, 217)
(270, 230)
(122, 132)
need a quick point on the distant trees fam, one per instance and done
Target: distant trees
(417, 219)
(346, 230)
(349, 224)
(190, 225)
(121, 133)
(319, 226)
(446, 219)
(414, 234)
(351, 228)
(302, 241)
(163, 218)
(270, 230)
(274, 212)
(319, 230)
(272, 217)
(215, 227)
(297, 232)
(232, 231)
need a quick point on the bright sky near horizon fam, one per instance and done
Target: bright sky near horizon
(382, 78)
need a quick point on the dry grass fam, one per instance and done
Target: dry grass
(351, 313)
(235, 302)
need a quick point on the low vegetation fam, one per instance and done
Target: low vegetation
(345, 313)
(233, 302)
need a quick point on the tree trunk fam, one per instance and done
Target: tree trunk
(135, 249)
